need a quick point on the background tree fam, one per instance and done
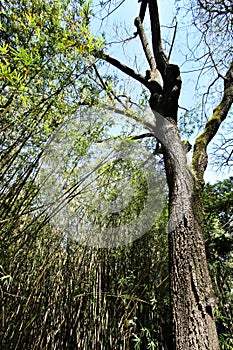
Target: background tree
(218, 228)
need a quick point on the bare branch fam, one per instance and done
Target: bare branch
(160, 57)
(229, 157)
(135, 137)
(143, 10)
(131, 115)
(145, 44)
(125, 69)
(142, 136)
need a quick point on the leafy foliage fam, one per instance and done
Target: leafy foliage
(218, 200)
(43, 83)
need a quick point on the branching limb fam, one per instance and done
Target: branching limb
(102, 83)
(131, 115)
(219, 114)
(122, 67)
(160, 57)
(135, 137)
(111, 94)
(143, 10)
(145, 44)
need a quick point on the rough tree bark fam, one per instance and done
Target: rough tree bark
(192, 301)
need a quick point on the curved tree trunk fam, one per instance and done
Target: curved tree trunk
(192, 301)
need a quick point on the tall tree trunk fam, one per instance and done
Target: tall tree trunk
(190, 287)
(191, 298)
(192, 301)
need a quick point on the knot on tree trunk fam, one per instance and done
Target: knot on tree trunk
(165, 99)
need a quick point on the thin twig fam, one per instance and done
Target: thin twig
(145, 44)
(173, 39)
(111, 12)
